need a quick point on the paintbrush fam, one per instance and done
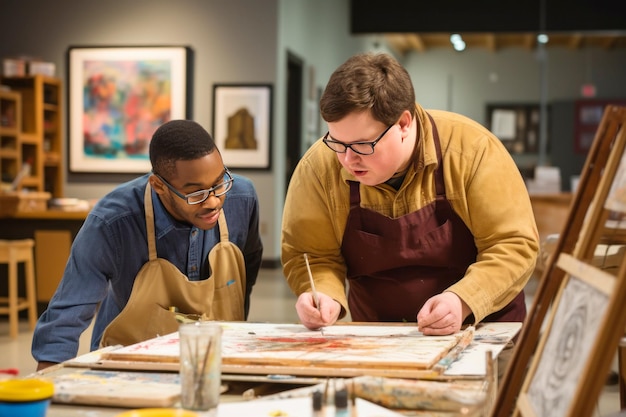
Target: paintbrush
(353, 410)
(316, 297)
(455, 352)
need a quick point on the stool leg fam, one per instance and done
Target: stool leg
(13, 301)
(30, 292)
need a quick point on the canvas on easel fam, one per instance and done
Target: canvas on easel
(588, 225)
(569, 367)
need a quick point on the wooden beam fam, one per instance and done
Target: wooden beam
(416, 42)
(529, 41)
(491, 42)
(397, 43)
(575, 41)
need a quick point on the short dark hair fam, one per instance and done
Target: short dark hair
(368, 82)
(178, 140)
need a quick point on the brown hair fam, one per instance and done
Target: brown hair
(375, 82)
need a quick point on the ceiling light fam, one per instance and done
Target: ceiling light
(457, 42)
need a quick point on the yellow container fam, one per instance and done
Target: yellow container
(25, 397)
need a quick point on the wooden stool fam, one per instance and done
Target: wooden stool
(11, 253)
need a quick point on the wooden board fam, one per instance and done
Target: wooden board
(162, 353)
(291, 348)
(112, 388)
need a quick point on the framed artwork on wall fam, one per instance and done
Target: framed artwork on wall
(242, 124)
(587, 118)
(118, 97)
(516, 125)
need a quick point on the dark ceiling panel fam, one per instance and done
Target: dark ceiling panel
(398, 16)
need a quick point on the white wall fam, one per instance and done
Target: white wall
(466, 81)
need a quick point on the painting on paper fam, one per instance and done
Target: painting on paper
(386, 347)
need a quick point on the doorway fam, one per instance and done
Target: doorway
(295, 70)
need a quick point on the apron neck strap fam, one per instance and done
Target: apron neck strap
(223, 227)
(147, 203)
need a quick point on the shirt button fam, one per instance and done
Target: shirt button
(193, 268)
(194, 232)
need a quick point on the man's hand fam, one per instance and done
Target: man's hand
(44, 365)
(314, 318)
(442, 314)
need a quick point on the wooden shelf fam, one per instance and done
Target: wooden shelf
(40, 131)
(9, 154)
(52, 159)
(10, 140)
(30, 138)
(9, 131)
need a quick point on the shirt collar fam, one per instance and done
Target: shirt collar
(163, 220)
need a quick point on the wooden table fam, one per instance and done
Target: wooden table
(491, 337)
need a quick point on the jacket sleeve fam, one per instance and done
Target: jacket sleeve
(495, 205)
(310, 226)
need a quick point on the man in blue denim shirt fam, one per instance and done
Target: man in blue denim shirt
(111, 269)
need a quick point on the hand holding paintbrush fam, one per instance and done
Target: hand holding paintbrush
(316, 297)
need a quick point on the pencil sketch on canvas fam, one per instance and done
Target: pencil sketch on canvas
(576, 322)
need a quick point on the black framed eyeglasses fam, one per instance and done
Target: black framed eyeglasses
(362, 148)
(198, 197)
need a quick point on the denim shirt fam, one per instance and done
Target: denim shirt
(110, 249)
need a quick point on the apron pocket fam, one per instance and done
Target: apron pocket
(228, 302)
(161, 321)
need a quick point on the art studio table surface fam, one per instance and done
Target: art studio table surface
(108, 382)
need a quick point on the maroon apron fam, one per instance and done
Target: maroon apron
(395, 265)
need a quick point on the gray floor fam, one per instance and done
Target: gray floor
(272, 301)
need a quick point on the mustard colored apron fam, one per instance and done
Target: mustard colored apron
(159, 286)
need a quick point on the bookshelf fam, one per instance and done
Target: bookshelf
(10, 141)
(40, 133)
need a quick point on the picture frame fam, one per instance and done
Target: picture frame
(118, 96)
(516, 125)
(242, 124)
(588, 114)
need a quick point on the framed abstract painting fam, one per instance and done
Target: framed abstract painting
(118, 96)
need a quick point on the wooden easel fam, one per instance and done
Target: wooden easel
(585, 229)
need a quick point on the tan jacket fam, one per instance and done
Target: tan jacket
(483, 184)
